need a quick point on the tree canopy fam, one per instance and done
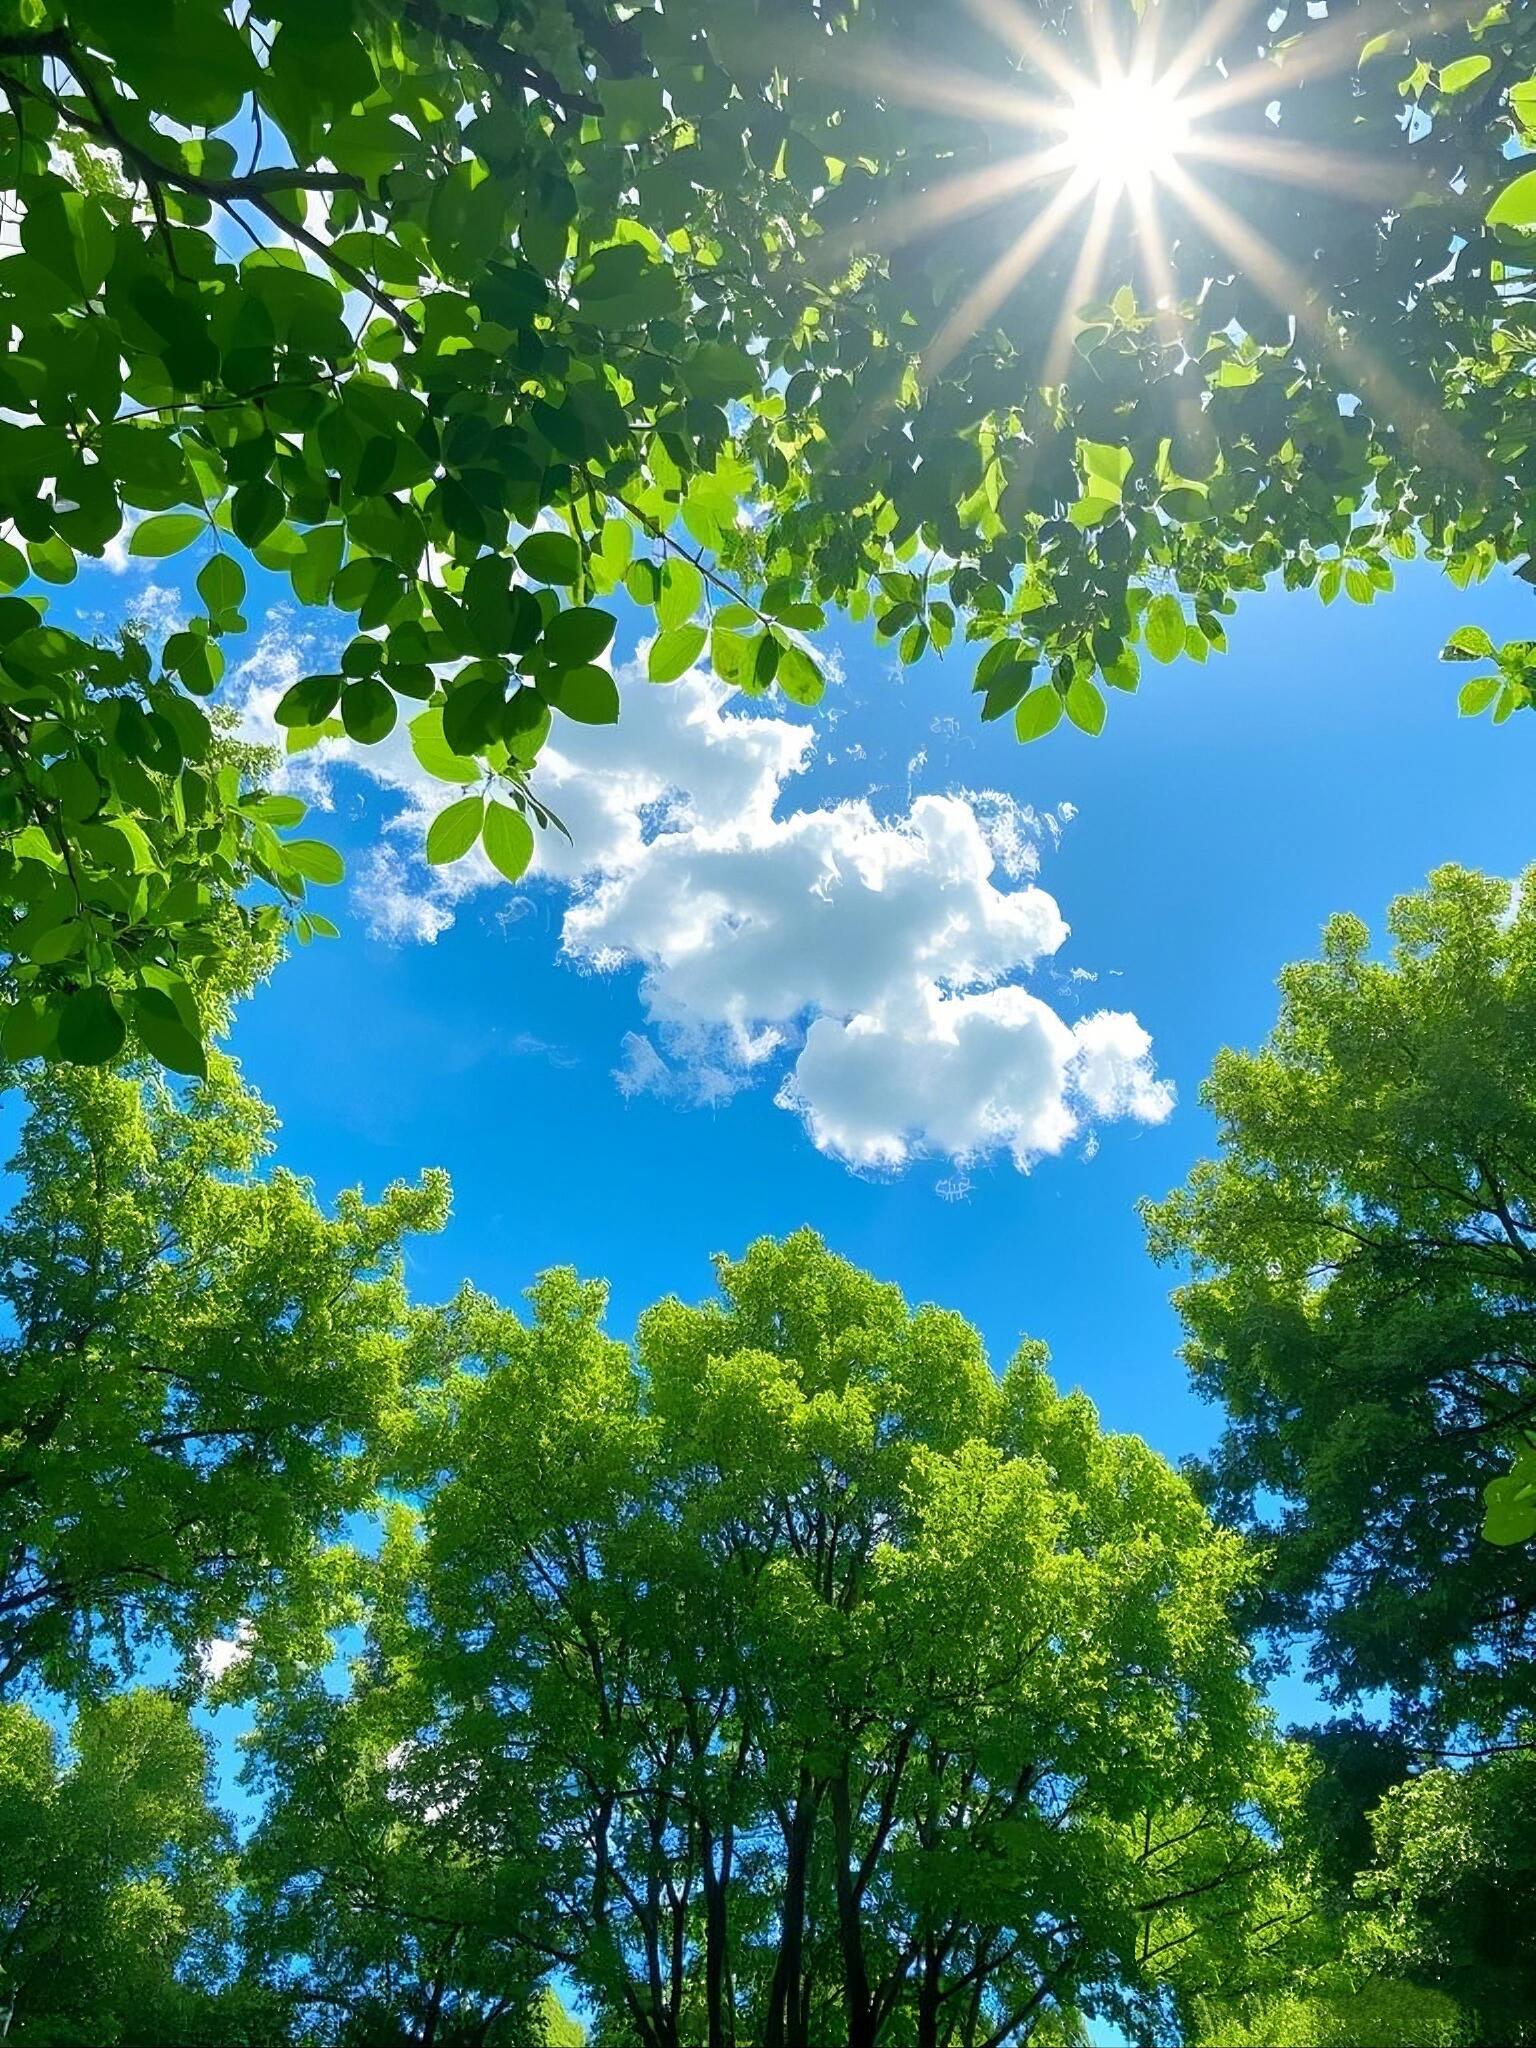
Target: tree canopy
(1364, 1256)
(461, 315)
(199, 1373)
(785, 1676)
(115, 1872)
(1450, 1892)
(780, 1675)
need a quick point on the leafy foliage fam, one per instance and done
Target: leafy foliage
(1509, 688)
(539, 296)
(1363, 1297)
(115, 1873)
(1453, 1886)
(786, 1675)
(199, 1373)
(1380, 2013)
(385, 1899)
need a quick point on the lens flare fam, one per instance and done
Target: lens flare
(1126, 132)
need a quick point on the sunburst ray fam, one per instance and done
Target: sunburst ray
(1005, 276)
(1359, 366)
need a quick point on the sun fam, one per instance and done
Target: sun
(1125, 132)
(1123, 146)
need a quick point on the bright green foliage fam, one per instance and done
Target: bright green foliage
(385, 1898)
(858, 1694)
(130, 831)
(113, 1873)
(462, 314)
(1509, 689)
(560, 2030)
(199, 1371)
(1364, 1298)
(1452, 1894)
(1377, 2013)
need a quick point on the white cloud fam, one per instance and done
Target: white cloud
(217, 1658)
(870, 965)
(115, 555)
(396, 905)
(156, 613)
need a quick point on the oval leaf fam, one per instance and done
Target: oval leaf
(368, 710)
(550, 557)
(314, 860)
(1515, 206)
(164, 1034)
(589, 695)
(1085, 706)
(308, 702)
(432, 750)
(166, 534)
(1040, 711)
(1165, 628)
(91, 1027)
(578, 636)
(508, 840)
(453, 832)
(673, 653)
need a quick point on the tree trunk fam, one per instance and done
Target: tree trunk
(718, 2017)
(785, 2026)
(928, 1998)
(858, 2008)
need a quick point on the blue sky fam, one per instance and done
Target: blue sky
(1223, 814)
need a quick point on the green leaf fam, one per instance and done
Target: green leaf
(164, 1033)
(1006, 684)
(1455, 78)
(454, 831)
(256, 509)
(1165, 628)
(166, 534)
(91, 1027)
(1515, 206)
(674, 652)
(1092, 511)
(53, 559)
(1468, 643)
(730, 655)
(314, 860)
(1085, 705)
(1106, 466)
(1510, 1515)
(681, 593)
(1124, 672)
(589, 695)
(221, 584)
(508, 840)
(281, 811)
(1039, 712)
(368, 710)
(473, 710)
(314, 572)
(1391, 42)
(718, 371)
(310, 701)
(578, 636)
(432, 750)
(1476, 694)
(29, 1029)
(550, 557)
(799, 677)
